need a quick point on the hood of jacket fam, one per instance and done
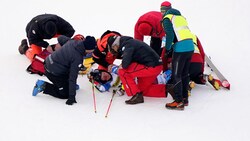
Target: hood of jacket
(173, 11)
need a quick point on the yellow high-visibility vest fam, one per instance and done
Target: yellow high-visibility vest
(180, 27)
(196, 49)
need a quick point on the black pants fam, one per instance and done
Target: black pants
(155, 43)
(180, 74)
(196, 74)
(60, 86)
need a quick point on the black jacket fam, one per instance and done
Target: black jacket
(67, 61)
(35, 29)
(133, 50)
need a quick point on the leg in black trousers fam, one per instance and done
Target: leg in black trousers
(185, 75)
(180, 66)
(196, 73)
(155, 43)
(59, 88)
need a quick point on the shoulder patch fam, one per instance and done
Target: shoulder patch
(80, 65)
(33, 31)
(123, 48)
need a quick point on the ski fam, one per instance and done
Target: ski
(214, 82)
(224, 81)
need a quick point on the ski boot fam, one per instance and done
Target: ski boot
(214, 82)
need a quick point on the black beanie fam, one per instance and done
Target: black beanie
(50, 28)
(89, 43)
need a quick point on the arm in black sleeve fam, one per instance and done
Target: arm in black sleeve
(100, 58)
(65, 28)
(35, 38)
(73, 74)
(127, 56)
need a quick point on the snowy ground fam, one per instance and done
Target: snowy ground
(223, 28)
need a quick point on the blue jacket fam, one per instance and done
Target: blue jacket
(67, 61)
(181, 46)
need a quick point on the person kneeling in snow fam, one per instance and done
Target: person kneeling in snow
(62, 66)
(41, 28)
(139, 61)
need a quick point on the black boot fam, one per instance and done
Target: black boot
(137, 98)
(23, 47)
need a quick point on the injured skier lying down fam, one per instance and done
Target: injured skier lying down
(104, 81)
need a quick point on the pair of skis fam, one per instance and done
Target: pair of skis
(223, 81)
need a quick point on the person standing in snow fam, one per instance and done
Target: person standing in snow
(149, 24)
(178, 38)
(196, 68)
(44, 26)
(139, 61)
(62, 66)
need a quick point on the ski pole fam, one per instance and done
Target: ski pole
(114, 91)
(93, 90)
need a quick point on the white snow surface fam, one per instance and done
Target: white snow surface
(223, 27)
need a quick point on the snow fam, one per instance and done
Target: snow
(221, 25)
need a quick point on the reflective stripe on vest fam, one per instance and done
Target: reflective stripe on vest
(196, 49)
(180, 26)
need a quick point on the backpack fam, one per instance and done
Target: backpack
(37, 64)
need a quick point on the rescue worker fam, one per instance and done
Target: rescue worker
(44, 26)
(62, 66)
(149, 24)
(139, 61)
(196, 68)
(178, 38)
(101, 55)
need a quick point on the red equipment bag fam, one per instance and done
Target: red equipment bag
(37, 65)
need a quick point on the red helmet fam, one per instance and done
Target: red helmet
(78, 37)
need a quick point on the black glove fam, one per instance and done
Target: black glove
(71, 101)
